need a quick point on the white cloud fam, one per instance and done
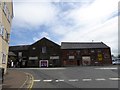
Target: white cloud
(41, 35)
(92, 23)
(87, 22)
(33, 14)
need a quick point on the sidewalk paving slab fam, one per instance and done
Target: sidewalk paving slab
(15, 79)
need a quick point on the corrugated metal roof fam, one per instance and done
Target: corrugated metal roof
(82, 45)
(21, 47)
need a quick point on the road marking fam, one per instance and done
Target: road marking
(107, 68)
(36, 80)
(114, 78)
(73, 80)
(100, 79)
(86, 79)
(47, 80)
(42, 68)
(60, 80)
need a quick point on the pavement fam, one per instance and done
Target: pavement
(17, 79)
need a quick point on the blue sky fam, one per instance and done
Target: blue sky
(65, 20)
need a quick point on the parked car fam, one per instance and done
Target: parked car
(116, 61)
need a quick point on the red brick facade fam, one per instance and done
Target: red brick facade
(86, 57)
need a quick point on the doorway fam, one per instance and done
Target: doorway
(43, 63)
(78, 62)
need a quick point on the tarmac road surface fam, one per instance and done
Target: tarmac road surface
(75, 77)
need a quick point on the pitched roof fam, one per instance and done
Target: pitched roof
(20, 47)
(82, 45)
(44, 39)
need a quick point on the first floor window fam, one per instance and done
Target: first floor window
(20, 54)
(1, 29)
(43, 49)
(5, 8)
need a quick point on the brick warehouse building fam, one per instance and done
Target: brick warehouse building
(45, 53)
(38, 54)
(92, 53)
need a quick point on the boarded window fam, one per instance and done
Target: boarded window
(71, 57)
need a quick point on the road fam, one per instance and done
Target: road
(75, 77)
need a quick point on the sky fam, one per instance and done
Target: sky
(65, 21)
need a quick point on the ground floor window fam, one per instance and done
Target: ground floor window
(3, 59)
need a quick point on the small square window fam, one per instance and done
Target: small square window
(33, 48)
(20, 54)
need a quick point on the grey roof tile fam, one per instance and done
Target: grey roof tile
(82, 45)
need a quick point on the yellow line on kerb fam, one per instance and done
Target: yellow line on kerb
(32, 82)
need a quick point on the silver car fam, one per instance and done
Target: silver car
(116, 61)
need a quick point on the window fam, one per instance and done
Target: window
(20, 54)
(5, 8)
(43, 49)
(3, 59)
(78, 52)
(9, 17)
(99, 51)
(71, 57)
(7, 36)
(2, 30)
(0, 3)
(92, 51)
(33, 48)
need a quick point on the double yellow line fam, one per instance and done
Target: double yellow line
(32, 82)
